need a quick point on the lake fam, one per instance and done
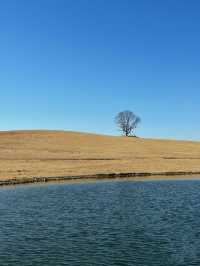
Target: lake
(142, 223)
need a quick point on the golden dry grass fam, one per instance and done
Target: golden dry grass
(59, 153)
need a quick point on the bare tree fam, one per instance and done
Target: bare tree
(127, 122)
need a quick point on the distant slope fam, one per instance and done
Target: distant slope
(61, 153)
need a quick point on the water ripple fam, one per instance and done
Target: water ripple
(113, 223)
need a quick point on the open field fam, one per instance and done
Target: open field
(26, 154)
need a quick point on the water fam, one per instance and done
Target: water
(106, 223)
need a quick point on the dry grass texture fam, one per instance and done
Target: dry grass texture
(59, 153)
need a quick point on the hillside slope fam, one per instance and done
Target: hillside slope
(60, 153)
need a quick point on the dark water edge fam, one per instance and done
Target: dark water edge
(102, 176)
(104, 223)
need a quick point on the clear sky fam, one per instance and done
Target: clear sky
(73, 64)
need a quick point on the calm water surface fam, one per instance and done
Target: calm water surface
(108, 223)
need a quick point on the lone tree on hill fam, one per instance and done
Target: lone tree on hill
(127, 122)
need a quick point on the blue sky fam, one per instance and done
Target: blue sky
(73, 64)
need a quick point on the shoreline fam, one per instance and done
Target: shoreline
(45, 156)
(138, 176)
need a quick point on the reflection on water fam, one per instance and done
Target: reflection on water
(113, 223)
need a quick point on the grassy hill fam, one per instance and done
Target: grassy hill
(58, 153)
